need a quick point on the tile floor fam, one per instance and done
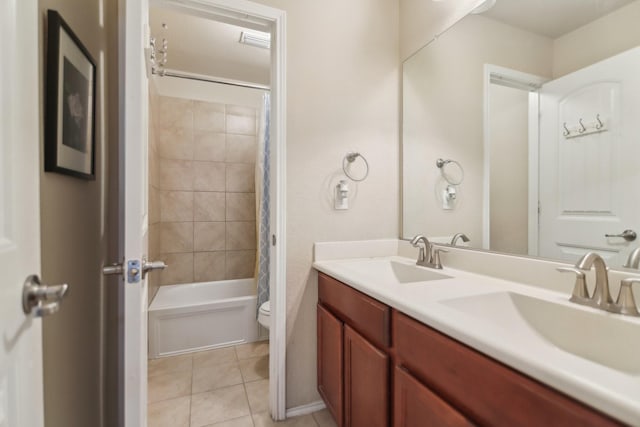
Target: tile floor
(227, 387)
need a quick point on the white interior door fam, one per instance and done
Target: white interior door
(589, 179)
(134, 221)
(21, 399)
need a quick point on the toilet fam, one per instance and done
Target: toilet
(264, 314)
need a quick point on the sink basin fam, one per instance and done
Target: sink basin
(390, 271)
(601, 337)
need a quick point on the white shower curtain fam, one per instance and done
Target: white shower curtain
(263, 204)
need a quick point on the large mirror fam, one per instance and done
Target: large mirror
(521, 130)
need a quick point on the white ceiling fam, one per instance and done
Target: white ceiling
(551, 18)
(201, 46)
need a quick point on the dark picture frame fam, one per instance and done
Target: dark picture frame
(70, 103)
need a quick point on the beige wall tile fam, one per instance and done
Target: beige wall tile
(241, 207)
(179, 268)
(170, 413)
(241, 177)
(209, 116)
(175, 112)
(209, 146)
(169, 386)
(218, 405)
(209, 266)
(209, 206)
(209, 176)
(241, 235)
(240, 264)
(209, 236)
(154, 205)
(176, 237)
(241, 148)
(176, 206)
(240, 110)
(244, 125)
(176, 143)
(176, 174)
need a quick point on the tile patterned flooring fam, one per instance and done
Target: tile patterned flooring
(227, 387)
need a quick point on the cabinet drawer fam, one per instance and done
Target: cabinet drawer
(417, 406)
(364, 314)
(483, 389)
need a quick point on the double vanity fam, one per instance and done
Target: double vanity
(405, 345)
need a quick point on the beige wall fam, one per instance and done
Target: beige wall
(74, 242)
(442, 108)
(202, 205)
(587, 44)
(342, 84)
(509, 180)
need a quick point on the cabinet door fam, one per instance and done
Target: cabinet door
(366, 382)
(330, 363)
(414, 405)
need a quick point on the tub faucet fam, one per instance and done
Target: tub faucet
(428, 255)
(601, 296)
(634, 259)
(457, 236)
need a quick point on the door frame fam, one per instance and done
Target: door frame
(264, 18)
(494, 74)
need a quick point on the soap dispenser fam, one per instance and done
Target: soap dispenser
(342, 195)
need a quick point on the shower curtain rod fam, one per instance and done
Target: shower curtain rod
(169, 73)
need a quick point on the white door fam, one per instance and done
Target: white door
(21, 399)
(589, 177)
(133, 210)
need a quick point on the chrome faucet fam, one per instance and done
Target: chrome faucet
(457, 236)
(428, 255)
(634, 259)
(601, 298)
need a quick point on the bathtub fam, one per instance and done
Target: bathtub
(203, 316)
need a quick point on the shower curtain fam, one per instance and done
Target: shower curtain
(262, 204)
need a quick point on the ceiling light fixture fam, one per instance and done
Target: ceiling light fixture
(257, 39)
(483, 7)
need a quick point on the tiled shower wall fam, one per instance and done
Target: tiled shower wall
(203, 209)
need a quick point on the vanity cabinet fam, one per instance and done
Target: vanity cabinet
(379, 367)
(353, 359)
(484, 390)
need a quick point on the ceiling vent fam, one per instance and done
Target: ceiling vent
(257, 39)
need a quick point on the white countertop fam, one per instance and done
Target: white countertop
(611, 391)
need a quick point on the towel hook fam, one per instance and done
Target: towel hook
(566, 132)
(582, 129)
(600, 125)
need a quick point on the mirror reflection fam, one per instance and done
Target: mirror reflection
(520, 130)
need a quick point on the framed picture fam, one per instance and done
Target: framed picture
(71, 101)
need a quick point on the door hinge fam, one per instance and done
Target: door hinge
(273, 240)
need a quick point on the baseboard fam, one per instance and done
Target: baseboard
(306, 409)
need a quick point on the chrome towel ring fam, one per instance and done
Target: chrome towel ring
(441, 164)
(350, 158)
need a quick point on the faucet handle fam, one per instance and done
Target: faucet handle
(435, 258)
(626, 304)
(580, 292)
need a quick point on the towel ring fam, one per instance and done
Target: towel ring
(350, 158)
(441, 164)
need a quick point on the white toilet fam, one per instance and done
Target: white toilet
(264, 314)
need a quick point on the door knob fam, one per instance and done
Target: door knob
(628, 235)
(41, 300)
(152, 265)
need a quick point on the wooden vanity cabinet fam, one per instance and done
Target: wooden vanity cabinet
(353, 360)
(484, 390)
